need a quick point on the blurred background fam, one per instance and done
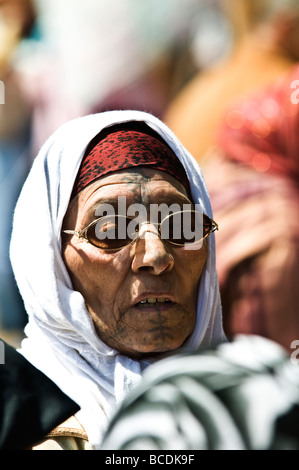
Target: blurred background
(185, 61)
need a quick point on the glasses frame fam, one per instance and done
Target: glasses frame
(83, 233)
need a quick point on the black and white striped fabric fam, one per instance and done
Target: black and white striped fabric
(242, 395)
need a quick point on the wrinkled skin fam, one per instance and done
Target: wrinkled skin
(113, 284)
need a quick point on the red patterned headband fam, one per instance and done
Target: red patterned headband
(126, 146)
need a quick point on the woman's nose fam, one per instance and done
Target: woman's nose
(151, 253)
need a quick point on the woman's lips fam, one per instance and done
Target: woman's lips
(153, 302)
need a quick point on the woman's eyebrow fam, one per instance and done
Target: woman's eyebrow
(113, 202)
(105, 200)
(109, 202)
(177, 199)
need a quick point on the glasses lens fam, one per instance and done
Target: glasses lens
(185, 227)
(113, 232)
(110, 232)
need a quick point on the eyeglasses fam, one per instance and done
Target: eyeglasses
(113, 232)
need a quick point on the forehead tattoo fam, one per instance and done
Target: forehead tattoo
(143, 186)
(138, 181)
(140, 189)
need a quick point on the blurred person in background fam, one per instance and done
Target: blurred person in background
(101, 55)
(265, 46)
(17, 23)
(253, 181)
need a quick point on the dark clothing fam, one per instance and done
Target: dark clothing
(31, 405)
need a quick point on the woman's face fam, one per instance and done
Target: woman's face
(142, 298)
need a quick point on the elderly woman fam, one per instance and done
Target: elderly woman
(107, 293)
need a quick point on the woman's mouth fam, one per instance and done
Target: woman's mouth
(153, 302)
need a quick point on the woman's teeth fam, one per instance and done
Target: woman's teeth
(154, 300)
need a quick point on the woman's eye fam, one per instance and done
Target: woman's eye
(105, 229)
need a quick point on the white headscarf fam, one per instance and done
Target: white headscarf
(61, 339)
